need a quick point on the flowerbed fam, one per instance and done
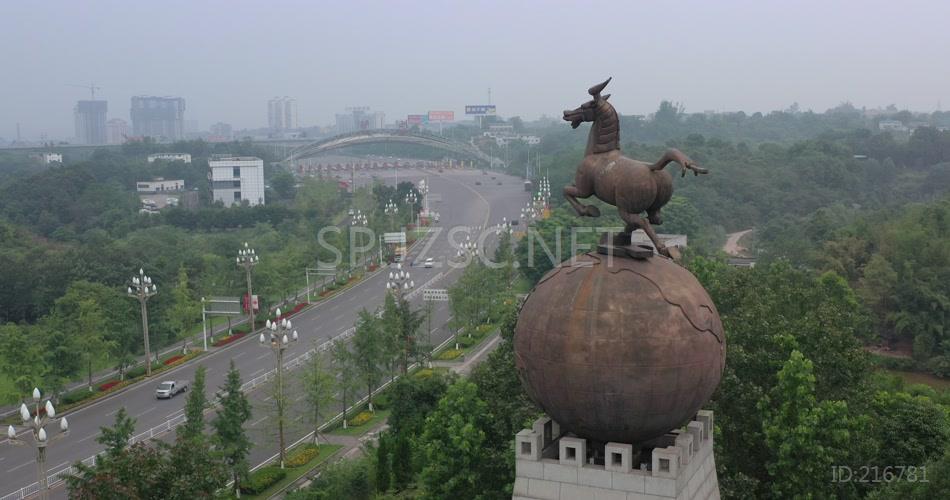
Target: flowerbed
(228, 340)
(449, 354)
(360, 419)
(302, 455)
(109, 385)
(172, 360)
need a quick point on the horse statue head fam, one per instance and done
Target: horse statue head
(605, 134)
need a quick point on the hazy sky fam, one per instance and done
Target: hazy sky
(227, 58)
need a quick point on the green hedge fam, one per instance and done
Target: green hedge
(262, 479)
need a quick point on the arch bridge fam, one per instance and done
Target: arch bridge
(384, 136)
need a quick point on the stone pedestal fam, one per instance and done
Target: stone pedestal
(552, 466)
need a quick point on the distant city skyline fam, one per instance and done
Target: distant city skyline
(414, 56)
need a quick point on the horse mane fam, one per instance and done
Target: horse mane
(605, 134)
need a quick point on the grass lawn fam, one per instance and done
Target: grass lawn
(359, 430)
(295, 473)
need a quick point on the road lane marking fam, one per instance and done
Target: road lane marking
(88, 437)
(259, 421)
(113, 412)
(143, 413)
(236, 356)
(262, 356)
(19, 467)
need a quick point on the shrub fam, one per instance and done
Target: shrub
(262, 479)
(360, 419)
(449, 354)
(465, 341)
(423, 373)
(302, 455)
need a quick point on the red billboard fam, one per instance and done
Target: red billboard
(441, 116)
(416, 119)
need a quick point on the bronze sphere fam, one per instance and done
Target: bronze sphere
(619, 349)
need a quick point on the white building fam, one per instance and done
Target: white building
(159, 184)
(282, 113)
(47, 158)
(185, 157)
(892, 125)
(235, 179)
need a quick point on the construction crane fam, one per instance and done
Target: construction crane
(92, 89)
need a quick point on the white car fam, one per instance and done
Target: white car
(428, 263)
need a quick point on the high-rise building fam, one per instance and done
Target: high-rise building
(162, 118)
(91, 121)
(221, 131)
(235, 179)
(282, 113)
(117, 130)
(359, 118)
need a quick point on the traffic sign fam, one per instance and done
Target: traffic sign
(435, 294)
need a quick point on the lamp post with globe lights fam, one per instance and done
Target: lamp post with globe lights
(142, 288)
(247, 259)
(36, 424)
(399, 284)
(411, 200)
(359, 219)
(391, 210)
(276, 338)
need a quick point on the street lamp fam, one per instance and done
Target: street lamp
(391, 210)
(141, 288)
(399, 284)
(277, 340)
(36, 424)
(411, 200)
(467, 248)
(247, 259)
(359, 219)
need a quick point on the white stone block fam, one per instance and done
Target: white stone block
(529, 469)
(545, 490)
(572, 451)
(606, 494)
(660, 486)
(576, 492)
(561, 473)
(528, 445)
(644, 496)
(521, 487)
(696, 429)
(665, 462)
(594, 475)
(614, 450)
(627, 481)
(685, 441)
(707, 419)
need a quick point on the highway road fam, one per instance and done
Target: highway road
(464, 204)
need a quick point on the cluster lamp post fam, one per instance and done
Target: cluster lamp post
(247, 259)
(275, 337)
(391, 210)
(399, 284)
(36, 424)
(142, 288)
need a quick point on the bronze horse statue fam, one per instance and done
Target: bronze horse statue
(630, 185)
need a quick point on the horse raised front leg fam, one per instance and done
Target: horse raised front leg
(571, 193)
(675, 155)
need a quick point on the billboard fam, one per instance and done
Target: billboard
(416, 119)
(480, 109)
(441, 116)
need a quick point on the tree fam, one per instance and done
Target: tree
(230, 438)
(283, 184)
(368, 354)
(21, 361)
(116, 438)
(911, 429)
(383, 463)
(453, 444)
(184, 309)
(318, 386)
(193, 470)
(806, 437)
(195, 405)
(346, 373)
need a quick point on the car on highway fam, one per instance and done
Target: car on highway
(168, 388)
(499, 183)
(478, 183)
(428, 263)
